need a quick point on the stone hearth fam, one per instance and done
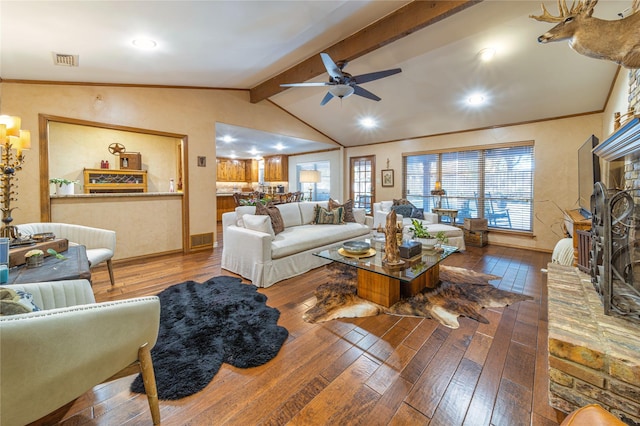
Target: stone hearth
(593, 357)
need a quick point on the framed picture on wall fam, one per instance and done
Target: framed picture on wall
(387, 177)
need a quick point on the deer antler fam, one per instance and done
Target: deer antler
(583, 6)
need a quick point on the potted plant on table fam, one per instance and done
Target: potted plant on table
(63, 186)
(34, 258)
(421, 233)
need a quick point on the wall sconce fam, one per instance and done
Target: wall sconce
(11, 138)
(310, 176)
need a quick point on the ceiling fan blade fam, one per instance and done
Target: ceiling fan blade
(363, 78)
(305, 84)
(326, 98)
(333, 70)
(365, 93)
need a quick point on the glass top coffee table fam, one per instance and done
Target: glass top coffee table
(385, 285)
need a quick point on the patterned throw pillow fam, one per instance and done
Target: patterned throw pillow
(328, 217)
(417, 213)
(14, 302)
(403, 209)
(348, 209)
(402, 202)
(276, 218)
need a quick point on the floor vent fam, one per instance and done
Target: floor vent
(65, 60)
(202, 240)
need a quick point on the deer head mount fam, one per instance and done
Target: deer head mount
(617, 41)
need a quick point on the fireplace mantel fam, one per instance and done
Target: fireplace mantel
(624, 141)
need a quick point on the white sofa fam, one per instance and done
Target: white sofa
(100, 243)
(454, 234)
(265, 259)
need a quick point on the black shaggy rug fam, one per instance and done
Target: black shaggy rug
(204, 325)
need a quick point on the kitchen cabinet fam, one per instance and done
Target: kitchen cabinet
(276, 168)
(229, 170)
(224, 204)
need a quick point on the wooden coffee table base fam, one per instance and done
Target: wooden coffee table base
(386, 291)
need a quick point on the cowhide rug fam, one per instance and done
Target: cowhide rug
(462, 292)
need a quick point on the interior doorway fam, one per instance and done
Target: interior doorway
(362, 171)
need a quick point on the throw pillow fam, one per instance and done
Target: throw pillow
(13, 302)
(272, 211)
(329, 217)
(402, 202)
(348, 209)
(403, 209)
(261, 223)
(417, 213)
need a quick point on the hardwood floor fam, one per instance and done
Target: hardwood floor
(383, 370)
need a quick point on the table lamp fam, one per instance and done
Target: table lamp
(311, 177)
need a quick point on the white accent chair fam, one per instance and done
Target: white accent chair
(100, 243)
(50, 357)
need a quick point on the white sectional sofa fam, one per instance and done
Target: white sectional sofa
(454, 234)
(266, 259)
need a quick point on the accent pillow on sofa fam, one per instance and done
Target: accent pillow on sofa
(261, 223)
(13, 302)
(403, 209)
(329, 217)
(272, 211)
(348, 209)
(417, 213)
(402, 202)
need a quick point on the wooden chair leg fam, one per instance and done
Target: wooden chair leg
(149, 380)
(110, 268)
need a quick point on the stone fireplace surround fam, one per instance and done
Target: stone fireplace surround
(593, 357)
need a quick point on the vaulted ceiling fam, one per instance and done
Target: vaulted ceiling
(257, 45)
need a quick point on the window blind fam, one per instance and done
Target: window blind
(491, 183)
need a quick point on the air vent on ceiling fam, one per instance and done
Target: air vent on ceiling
(65, 60)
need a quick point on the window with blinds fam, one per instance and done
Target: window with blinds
(493, 183)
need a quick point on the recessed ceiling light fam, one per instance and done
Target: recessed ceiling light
(227, 139)
(144, 43)
(368, 122)
(476, 99)
(279, 147)
(487, 54)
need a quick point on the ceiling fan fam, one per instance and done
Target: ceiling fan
(342, 84)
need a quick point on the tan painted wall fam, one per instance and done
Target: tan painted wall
(556, 174)
(182, 111)
(73, 148)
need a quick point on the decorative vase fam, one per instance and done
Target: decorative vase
(35, 261)
(427, 243)
(65, 189)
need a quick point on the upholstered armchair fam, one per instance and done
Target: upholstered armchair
(100, 243)
(50, 357)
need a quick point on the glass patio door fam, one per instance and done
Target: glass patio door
(362, 181)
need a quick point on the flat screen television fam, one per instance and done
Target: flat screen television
(588, 174)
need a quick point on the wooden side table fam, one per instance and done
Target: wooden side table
(451, 213)
(574, 222)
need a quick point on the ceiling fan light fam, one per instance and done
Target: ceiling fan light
(341, 90)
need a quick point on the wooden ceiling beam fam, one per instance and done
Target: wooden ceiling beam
(404, 21)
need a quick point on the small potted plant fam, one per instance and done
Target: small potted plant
(63, 186)
(34, 258)
(421, 233)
